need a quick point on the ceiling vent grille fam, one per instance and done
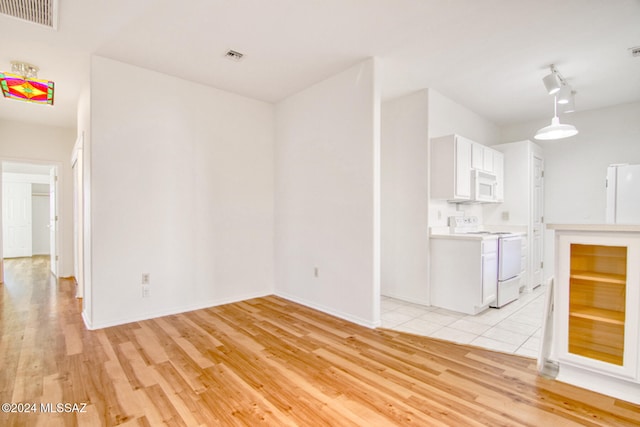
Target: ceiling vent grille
(41, 12)
(234, 55)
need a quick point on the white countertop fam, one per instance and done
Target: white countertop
(463, 236)
(618, 228)
(469, 236)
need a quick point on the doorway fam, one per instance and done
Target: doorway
(30, 211)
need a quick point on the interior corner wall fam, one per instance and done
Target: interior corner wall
(405, 154)
(576, 167)
(326, 195)
(182, 186)
(447, 117)
(24, 142)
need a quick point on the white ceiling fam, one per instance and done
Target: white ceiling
(489, 55)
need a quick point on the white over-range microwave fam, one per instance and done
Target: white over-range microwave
(484, 186)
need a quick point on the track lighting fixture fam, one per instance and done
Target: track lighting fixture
(563, 95)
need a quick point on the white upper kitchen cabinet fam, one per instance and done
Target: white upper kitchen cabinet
(498, 170)
(483, 158)
(477, 156)
(451, 168)
(488, 164)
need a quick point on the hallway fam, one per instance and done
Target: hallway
(39, 322)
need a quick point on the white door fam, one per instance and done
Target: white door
(53, 219)
(16, 224)
(538, 223)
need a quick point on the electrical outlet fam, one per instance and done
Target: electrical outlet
(145, 278)
(316, 273)
(505, 215)
(146, 291)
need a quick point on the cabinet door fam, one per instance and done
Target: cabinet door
(477, 156)
(598, 298)
(463, 168)
(487, 160)
(489, 277)
(498, 169)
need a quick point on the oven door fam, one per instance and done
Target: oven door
(509, 254)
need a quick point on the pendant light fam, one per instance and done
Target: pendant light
(556, 130)
(23, 84)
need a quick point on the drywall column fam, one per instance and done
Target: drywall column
(405, 159)
(327, 195)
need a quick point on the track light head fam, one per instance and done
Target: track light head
(552, 81)
(570, 106)
(564, 94)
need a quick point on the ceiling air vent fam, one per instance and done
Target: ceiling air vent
(41, 12)
(233, 55)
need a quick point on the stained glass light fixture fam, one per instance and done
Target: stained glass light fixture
(22, 84)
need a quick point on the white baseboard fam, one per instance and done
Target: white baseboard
(406, 299)
(600, 383)
(169, 311)
(328, 310)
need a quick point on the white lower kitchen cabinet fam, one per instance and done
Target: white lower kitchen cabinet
(597, 300)
(463, 272)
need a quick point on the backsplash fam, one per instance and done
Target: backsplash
(440, 210)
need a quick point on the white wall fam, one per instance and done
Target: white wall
(575, 168)
(181, 188)
(327, 173)
(27, 142)
(447, 117)
(405, 153)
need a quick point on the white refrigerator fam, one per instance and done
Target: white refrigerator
(623, 194)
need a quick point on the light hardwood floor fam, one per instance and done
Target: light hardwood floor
(265, 361)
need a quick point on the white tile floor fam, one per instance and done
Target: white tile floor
(514, 328)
